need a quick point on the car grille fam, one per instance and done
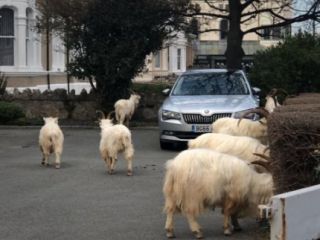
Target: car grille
(199, 119)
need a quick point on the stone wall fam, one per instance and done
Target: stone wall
(75, 108)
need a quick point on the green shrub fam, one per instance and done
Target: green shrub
(157, 88)
(10, 112)
(293, 65)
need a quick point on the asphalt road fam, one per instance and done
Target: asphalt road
(81, 201)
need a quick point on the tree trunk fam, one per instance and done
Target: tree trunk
(234, 52)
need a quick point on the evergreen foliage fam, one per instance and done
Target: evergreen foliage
(293, 65)
(9, 112)
(115, 38)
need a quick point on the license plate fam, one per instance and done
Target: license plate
(201, 128)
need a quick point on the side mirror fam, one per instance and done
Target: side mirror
(166, 91)
(256, 91)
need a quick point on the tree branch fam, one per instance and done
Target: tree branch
(285, 22)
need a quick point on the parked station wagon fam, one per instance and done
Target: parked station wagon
(198, 98)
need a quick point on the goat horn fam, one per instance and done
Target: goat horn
(263, 156)
(260, 111)
(266, 149)
(109, 115)
(266, 165)
(102, 113)
(273, 92)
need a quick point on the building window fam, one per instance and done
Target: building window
(157, 60)
(6, 37)
(179, 58)
(276, 33)
(224, 27)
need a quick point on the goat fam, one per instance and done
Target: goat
(239, 146)
(51, 141)
(244, 127)
(124, 108)
(199, 179)
(272, 100)
(115, 139)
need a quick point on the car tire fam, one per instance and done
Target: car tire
(166, 145)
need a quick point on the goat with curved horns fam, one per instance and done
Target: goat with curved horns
(115, 139)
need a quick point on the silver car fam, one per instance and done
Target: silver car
(198, 98)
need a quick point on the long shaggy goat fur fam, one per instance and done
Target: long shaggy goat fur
(246, 127)
(198, 179)
(51, 141)
(115, 139)
(124, 109)
(239, 146)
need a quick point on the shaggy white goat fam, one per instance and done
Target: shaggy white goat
(51, 140)
(243, 127)
(239, 146)
(198, 179)
(115, 139)
(125, 108)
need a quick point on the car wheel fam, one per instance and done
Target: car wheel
(166, 145)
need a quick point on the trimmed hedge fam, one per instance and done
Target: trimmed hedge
(10, 112)
(294, 138)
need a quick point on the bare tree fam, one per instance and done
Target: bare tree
(242, 16)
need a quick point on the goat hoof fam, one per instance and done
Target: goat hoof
(227, 232)
(58, 166)
(110, 172)
(198, 234)
(237, 229)
(170, 234)
(43, 163)
(129, 173)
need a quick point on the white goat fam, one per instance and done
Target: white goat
(198, 179)
(272, 99)
(243, 127)
(51, 141)
(115, 139)
(125, 108)
(239, 146)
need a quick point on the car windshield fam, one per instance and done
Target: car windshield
(218, 83)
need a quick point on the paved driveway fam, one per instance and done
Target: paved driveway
(80, 201)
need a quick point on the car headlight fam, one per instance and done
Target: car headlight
(252, 116)
(166, 115)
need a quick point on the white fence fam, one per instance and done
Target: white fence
(296, 215)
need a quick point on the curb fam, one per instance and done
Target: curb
(73, 127)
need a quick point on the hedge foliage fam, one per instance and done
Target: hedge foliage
(293, 65)
(10, 112)
(293, 131)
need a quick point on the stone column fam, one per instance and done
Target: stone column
(20, 56)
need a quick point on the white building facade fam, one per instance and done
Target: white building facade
(22, 48)
(174, 58)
